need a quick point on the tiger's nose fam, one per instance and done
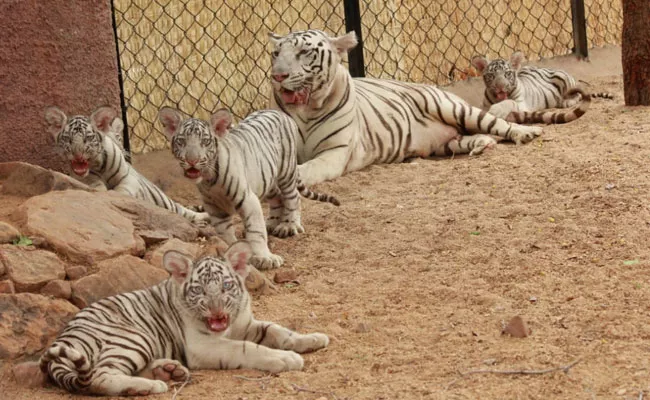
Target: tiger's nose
(280, 77)
(193, 161)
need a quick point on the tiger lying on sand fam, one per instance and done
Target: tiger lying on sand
(199, 318)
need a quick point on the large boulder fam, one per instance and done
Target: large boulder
(155, 257)
(7, 234)
(29, 322)
(30, 269)
(23, 179)
(118, 275)
(90, 227)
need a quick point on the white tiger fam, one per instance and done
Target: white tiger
(199, 318)
(347, 124)
(510, 87)
(89, 144)
(234, 167)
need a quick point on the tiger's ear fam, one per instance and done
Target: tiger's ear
(102, 118)
(55, 119)
(480, 63)
(238, 255)
(170, 119)
(117, 125)
(345, 43)
(177, 264)
(274, 39)
(516, 59)
(220, 122)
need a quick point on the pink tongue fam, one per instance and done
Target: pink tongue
(192, 173)
(217, 324)
(79, 167)
(502, 96)
(289, 97)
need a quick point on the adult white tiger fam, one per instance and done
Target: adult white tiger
(347, 124)
(200, 318)
(88, 143)
(234, 167)
(510, 87)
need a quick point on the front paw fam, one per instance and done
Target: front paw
(283, 360)
(286, 229)
(311, 342)
(524, 134)
(266, 262)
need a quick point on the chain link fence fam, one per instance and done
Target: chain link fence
(199, 55)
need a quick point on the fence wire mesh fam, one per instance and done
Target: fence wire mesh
(199, 55)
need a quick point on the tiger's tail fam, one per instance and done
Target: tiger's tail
(66, 366)
(554, 117)
(309, 194)
(603, 95)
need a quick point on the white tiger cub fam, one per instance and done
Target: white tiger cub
(349, 123)
(199, 318)
(234, 167)
(91, 148)
(509, 87)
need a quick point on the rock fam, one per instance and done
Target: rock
(517, 328)
(153, 237)
(30, 269)
(23, 179)
(58, 288)
(29, 322)
(29, 374)
(122, 274)
(74, 272)
(257, 283)
(286, 275)
(213, 246)
(155, 257)
(7, 287)
(362, 327)
(7, 233)
(90, 227)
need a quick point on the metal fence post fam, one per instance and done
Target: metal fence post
(125, 133)
(579, 28)
(353, 23)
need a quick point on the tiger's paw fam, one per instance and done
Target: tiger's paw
(169, 370)
(266, 262)
(311, 342)
(282, 360)
(481, 144)
(524, 134)
(145, 389)
(286, 229)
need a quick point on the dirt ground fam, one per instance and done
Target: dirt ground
(415, 274)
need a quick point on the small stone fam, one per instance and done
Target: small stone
(29, 374)
(57, 288)
(533, 299)
(257, 283)
(621, 392)
(7, 287)
(213, 246)
(74, 272)
(286, 275)
(609, 186)
(490, 361)
(362, 327)
(7, 233)
(517, 328)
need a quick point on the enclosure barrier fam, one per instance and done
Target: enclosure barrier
(199, 55)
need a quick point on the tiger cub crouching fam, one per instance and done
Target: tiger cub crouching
(199, 318)
(90, 146)
(511, 88)
(234, 167)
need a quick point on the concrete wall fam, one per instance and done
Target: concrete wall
(52, 52)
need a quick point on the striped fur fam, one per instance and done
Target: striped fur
(235, 167)
(347, 124)
(90, 147)
(199, 318)
(511, 88)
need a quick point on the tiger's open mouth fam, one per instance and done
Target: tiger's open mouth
(79, 166)
(298, 97)
(218, 322)
(193, 173)
(501, 95)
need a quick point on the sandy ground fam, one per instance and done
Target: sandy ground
(415, 274)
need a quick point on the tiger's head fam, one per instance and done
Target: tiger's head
(80, 139)
(304, 65)
(212, 288)
(194, 141)
(500, 76)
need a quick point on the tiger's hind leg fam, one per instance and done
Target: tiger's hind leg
(289, 224)
(275, 210)
(275, 336)
(472, 144)
(165, 370)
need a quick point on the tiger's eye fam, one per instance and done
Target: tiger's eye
(227, 285)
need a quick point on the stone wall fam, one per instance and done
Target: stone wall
(55, 52)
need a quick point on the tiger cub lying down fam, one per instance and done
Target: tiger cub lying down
(89, 144)
(509, 87)
(199, 318)
(234, 167)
